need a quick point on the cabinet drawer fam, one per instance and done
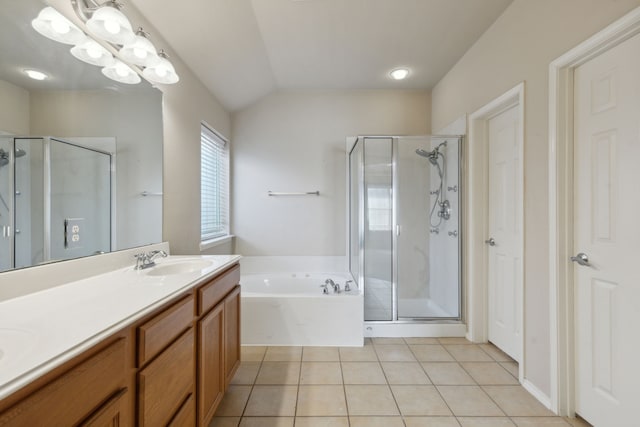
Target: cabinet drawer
(110, 414)
(166, 382)
(212, 293)
(160, 331)
(186, 416)
(75, 394)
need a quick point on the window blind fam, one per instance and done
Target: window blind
(214, 185)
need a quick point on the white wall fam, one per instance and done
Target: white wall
(184, 106)
(519, 47)
(14, 109)
(294, 141)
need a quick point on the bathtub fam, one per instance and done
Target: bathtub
(291, 309)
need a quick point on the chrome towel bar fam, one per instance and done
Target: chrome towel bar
(308, 193)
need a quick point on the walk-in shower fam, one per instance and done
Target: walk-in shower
(404, 227)
(55, 200)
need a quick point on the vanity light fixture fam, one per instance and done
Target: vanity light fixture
(121, 72)
(36, 75)
(161, 70)
(92, 52)
(107, 23)
(399, 73)
(110, 24)
(51, 24)
(141, 51)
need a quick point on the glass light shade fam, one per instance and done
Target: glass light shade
(140, 52)
(161, 71)
(51, 24)
(121, 72)
(36, 75)
(399, 73)
(92, 52)
(111, 25)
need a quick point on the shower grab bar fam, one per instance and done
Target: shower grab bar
(146, 193)
(308, 193)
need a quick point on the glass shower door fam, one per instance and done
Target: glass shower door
(428, 215)
(378, 229)
(29, 237)
(6, 202)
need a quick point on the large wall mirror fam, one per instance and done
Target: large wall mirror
(80, 154)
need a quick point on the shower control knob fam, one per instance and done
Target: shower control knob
(491, 241)
(454, 188)
(453, 233)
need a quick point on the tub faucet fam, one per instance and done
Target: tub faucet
(347, 286)
(146, 259)
(334, 285)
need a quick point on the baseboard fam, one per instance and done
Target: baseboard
(535, 391)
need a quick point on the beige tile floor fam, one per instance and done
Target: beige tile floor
(411, 382)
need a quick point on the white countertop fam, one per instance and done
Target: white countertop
(41, 331)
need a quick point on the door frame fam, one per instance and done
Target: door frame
(477, 183)
(561, 298)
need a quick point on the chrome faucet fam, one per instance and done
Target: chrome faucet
(347, 286)
(334, 285)
(147, 259)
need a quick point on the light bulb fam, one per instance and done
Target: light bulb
(94, 52)
(139, 53)
(112, 27)
(399, 73)
(35, 75)
(122, 70)
(60, 26)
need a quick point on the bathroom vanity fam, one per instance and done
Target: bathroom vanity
(144, 348)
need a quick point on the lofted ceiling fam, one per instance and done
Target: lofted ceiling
(243, 49)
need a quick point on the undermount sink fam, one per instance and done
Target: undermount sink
(179, 267)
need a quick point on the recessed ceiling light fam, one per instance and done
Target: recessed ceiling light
(399, 73)
(36, 75)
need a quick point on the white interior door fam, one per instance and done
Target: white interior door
(607, 231)
(505, 232)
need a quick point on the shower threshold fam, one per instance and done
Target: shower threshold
(416, 328)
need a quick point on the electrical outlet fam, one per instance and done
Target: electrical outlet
(73, 228)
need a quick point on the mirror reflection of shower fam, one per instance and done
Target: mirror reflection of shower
(443, 212)
(4, 160)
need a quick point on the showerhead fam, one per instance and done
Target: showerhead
(4, 155)
(432, 155)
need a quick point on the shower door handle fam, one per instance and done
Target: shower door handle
(491, 241)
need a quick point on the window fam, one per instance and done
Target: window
(214, 185)
(379, 208)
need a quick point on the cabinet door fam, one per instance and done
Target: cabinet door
(231, 334)
(74, 395)
(210, 363)
(166, 382)
(111, 414)
(186, 416)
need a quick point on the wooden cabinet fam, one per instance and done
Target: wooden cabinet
(170, 368)
(157, 333)
(86, 387)
(211, 378)
(231, 334)
(166, 382)
(218, 341)
(186, 416)
(111, 414)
